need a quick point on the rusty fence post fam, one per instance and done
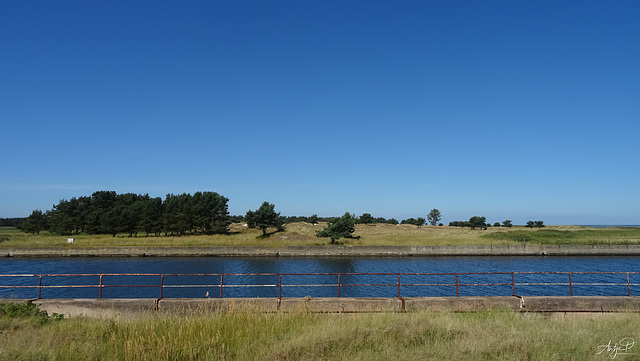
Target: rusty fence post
(161, 286)
(570, 285)
(221, 280)
(339, 284)
(100, 288)
(40, 287)
(456, 285)
(513, 285)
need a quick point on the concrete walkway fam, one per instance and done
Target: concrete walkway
(110, 308)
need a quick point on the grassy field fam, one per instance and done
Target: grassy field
(303, 234)
(249, 335)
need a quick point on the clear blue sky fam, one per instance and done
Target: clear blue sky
(522, 110)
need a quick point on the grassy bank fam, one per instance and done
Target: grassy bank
(249, 335)
(303, 234)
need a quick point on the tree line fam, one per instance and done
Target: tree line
(106, 212)
(433, 218)
(481, 222)
(11, 222)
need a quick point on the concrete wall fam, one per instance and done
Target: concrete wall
(329, 251)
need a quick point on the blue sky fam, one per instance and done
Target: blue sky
(521, 110)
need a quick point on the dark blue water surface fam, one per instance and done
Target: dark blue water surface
(440, 282)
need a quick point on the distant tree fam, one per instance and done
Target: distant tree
(35, 223)
(170, 210)
(100, 203)
(366, 218)
(112, 220)
(535, 224)
(151, 216)
(392, 221)
(177, 215)
(264, 217)
(78, 210)
(294, 219)
(507, 223)
(330, 219)
(458, 224)
(343, 227)
(70, 215)
(415, 221)
(434, 217)
(478, 222)
(130, 208)
(314, 219)
(497, 224)
(12, 222)
(210, 212)
(59, 220)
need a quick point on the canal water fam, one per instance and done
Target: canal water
(340, 276)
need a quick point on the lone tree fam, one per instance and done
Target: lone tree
(434, 217)
(264, 218)
(507, 223)
(343, 227)
(477, 222)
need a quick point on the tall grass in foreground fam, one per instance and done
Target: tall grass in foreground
(249, 335)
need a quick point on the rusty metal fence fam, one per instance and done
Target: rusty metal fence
(279, 285)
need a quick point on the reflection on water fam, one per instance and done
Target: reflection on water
(292, 282)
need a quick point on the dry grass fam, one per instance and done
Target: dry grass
(250, 335)
(410, 235)
(303, 234)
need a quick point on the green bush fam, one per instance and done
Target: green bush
(26, 310)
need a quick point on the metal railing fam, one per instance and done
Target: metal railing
(399, 282)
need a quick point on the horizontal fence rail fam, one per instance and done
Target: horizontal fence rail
(279, 285)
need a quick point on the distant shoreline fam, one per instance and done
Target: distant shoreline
(329, 251)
